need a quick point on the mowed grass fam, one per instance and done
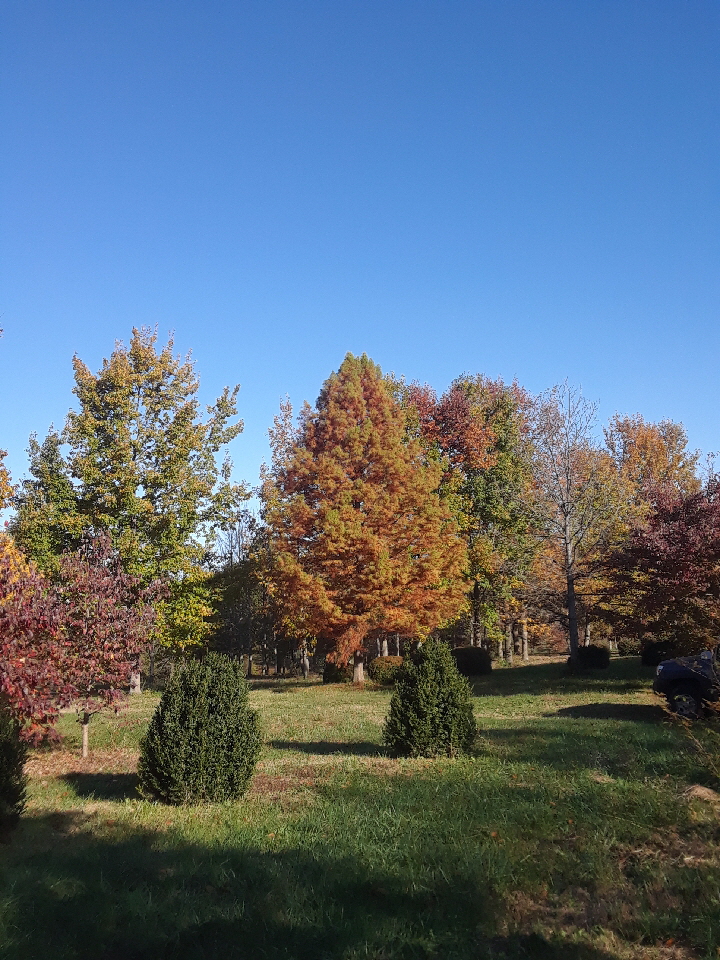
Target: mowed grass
(567, 835)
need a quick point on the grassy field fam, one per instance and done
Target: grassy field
(569, 834)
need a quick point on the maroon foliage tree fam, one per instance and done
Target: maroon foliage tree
(666, 581)
(32, 648)
(106, 620)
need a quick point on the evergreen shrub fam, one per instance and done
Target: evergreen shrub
(385, 669)
(593, 657)
(334, 673)
(628, 646)
(472, 661)
(431, 709)
(656, 651)
(13, 781)
(203, 741)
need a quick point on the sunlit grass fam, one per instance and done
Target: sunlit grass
(566, 835)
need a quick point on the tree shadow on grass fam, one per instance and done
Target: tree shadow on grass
(104, 786)
(624, 675)
(122, 892)
(635, 712)
(323, 748)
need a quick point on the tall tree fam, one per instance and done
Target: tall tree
(47, 522)
(665, 580)
(141, 465)
(479, 429)
(652, 456)
(581, 500)
(362, 541)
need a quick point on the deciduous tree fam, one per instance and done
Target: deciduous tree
(362, 541)
(142, 466)
(581, 501)
(665, 581)
(105, 623)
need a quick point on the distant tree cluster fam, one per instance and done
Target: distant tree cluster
(483, 517)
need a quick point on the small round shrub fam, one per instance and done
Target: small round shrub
(385, 669)
(334, 673)
(13, 781)
(628, 646)
(593, 657)
(431, 709)
(472, 661)
(203, 741)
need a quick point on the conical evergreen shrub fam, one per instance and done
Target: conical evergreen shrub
(203, 741)
(431, 710)
(13, 781)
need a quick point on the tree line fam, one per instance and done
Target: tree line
(388, 513)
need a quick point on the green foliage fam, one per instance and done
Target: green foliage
(203, 741)
(472, 661)
(431, 710)
(385, 670)
(628, 646)
(334, 673)
(593, 657)
(12, 778)
(142, 464)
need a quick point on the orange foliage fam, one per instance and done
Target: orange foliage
(362, 541)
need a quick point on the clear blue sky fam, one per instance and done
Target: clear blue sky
(522, 189)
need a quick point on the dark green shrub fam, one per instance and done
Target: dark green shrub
(628, 646)
(203, 740)
(593, 657)
(472, 661)
(12, 777)
(431, 709)
(385, 669)
(656, 651)
(333, 673)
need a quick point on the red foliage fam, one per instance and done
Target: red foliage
(32, 649)
(106, 623)
(667, 579)
(78, 639)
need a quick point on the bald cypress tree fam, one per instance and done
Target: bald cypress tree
(362, 542)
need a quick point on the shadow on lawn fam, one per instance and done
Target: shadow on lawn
(104, 786)
(635, 712)
(135, 894)
(624, 675)
(323, 748)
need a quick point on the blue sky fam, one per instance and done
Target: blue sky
(524, 189)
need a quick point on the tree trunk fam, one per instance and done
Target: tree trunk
(384, 646)
(509, 642)
(474, 633)
(501, 651)
(151, 667)
(358, 668)
(572, 619)
(85, 725)
(525, 650)
(249, 666)
(135, 682)
(305, 664)
(587, 632)
(397, 644)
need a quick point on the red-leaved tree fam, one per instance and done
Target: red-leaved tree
(665, 583)
(32, 648)
(106, 622)
(73, 641)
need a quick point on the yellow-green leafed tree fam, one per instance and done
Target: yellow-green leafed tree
(140, 461)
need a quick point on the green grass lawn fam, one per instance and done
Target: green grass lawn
(566, 835)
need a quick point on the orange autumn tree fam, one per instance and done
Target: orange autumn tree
(362, 542)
